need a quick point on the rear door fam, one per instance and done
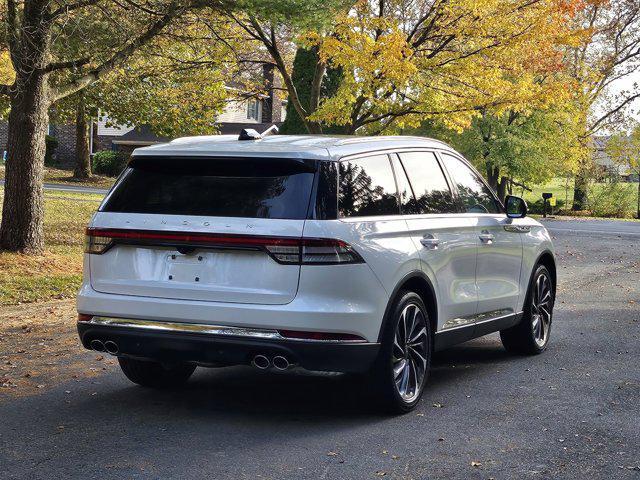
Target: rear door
(499, 248)
(446, 240)
(204, 229)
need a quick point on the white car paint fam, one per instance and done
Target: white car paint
(470, 277)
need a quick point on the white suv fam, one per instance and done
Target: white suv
(349, 254)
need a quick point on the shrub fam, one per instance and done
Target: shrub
(612, 200)
(49, 154)
(537, 207)
(108, 162)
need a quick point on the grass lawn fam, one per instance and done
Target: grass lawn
(57, 273)
(557, 187)
(65, 177)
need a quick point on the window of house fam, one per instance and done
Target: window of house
(367, 187)
(432, 193)
(474, 195)
(253, 109)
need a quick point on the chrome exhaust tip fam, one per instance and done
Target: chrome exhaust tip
(261, 362)
(281, 363)
(97, 345)
(111, 347)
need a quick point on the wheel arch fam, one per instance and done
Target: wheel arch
(418, 282)
(547, 259)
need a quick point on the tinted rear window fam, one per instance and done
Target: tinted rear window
(252, 188)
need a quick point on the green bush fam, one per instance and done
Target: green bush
(612, 200)
(108, 162)
(49, 154)
(537, 207)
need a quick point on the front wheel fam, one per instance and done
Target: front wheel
(155, 374)
(405, 357)
(531, 335)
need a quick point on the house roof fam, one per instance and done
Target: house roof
(142, 135)
(319, 147)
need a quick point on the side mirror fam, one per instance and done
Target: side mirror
(516, 207)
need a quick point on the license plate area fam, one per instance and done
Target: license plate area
(186, 268)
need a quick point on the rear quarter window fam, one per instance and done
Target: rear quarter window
(367, 187)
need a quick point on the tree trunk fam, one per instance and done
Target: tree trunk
(502, 188)
(493, 173)
(83, 157)
(638, 212)
(580, 192)
(22, 227)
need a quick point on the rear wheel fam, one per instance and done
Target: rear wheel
(155, 374)
(405, 357)
(531, 335)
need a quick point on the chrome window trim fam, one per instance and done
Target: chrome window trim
(204, 329)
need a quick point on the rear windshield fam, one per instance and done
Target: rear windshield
(221, 187)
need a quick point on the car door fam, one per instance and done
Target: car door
(446, 240)
(499, 260)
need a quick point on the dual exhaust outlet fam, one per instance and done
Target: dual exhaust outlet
(108, 346)
(279, 362)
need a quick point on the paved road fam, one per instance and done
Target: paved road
(571, 412)
(70, 188)
(597, 227)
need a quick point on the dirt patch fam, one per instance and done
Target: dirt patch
(39, 348)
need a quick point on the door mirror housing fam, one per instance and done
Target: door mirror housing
(516, 207)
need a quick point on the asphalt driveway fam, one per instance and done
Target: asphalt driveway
(571, 412)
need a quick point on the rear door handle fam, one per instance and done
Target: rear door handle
(486, 237)
(430, 242)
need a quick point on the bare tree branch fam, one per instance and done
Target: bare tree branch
(71, 6)
(600, 121)
(77, 84)
(68, 64)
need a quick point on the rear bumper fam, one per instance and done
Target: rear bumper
(176, 344)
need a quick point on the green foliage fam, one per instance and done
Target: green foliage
(304, 65)
(529, 148)
(108, 162)
(613, 200)
(51, 146)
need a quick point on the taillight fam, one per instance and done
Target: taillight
(96, 243)
(285, 250)
(83, 317)
(328, 251)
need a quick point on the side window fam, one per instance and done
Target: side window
(474, 194)
(367, 187)
(407, 199)
(432, 193)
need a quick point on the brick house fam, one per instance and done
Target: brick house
(259, 113)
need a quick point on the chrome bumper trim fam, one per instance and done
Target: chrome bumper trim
(206, 329)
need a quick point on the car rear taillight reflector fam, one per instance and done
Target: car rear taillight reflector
(286, 250)
(83, 317)
(326, 336)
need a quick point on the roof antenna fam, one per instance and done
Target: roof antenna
(249, 134)
(272, 130)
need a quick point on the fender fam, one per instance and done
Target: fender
(431, 303)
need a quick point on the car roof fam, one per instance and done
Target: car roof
(320, 147)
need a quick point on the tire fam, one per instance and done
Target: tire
(531, 335)
(401, 372)
(155, 374)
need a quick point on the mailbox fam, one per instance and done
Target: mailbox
(547, 195)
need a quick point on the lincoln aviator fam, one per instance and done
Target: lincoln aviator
(362, 255)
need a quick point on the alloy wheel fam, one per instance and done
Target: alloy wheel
(410, 351)
(541, 308)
